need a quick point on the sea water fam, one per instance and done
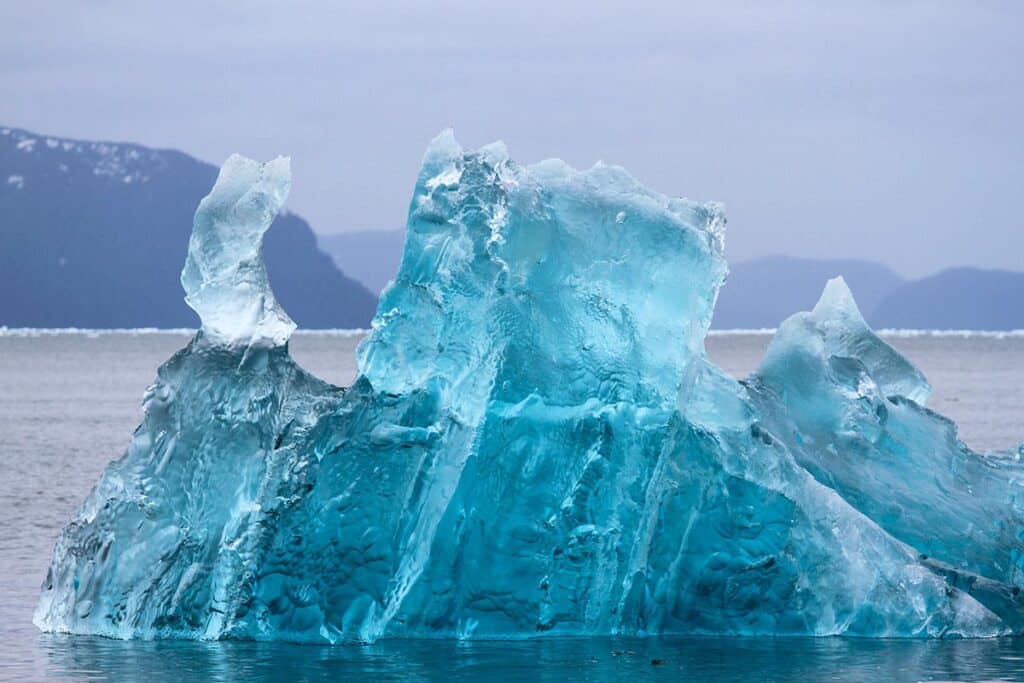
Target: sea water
(68, 403)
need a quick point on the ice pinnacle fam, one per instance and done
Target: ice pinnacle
(224, 277)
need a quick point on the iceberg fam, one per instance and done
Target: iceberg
(536, 444)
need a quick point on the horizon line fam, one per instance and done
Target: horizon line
(33, 332)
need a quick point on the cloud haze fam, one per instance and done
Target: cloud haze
(889, 131)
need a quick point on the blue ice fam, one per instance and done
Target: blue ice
(536, 444)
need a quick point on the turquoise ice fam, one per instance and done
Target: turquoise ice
(536, 444)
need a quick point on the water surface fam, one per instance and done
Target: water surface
(69, 402)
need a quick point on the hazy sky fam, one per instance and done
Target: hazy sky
(888, 130)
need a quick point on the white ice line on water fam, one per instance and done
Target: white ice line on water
(888, 332)
(355, 332)
(994, 334)
(134, 331)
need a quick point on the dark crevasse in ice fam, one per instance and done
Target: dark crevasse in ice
(536, 444)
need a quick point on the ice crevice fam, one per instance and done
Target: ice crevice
(536, 444)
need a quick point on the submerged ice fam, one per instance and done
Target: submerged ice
(536, 444)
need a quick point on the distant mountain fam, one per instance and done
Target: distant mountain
(94, 234)
(766, 291)
(956, 298)
(759, 293)
(370, 256)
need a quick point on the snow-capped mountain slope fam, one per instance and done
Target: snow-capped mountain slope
(93, 234)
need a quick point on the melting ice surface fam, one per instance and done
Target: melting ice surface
(536, 444)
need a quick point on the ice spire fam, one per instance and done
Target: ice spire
(224, 277)
(835, 329)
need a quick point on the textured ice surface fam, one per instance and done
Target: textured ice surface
(224, 277)
(536, 444)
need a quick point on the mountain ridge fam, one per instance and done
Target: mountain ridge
(370, 256)
(962, 297)
(762, 292)
(95, 235)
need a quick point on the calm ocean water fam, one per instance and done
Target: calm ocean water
(69, 402)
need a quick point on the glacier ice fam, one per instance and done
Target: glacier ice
(536, 444)
(224, 278)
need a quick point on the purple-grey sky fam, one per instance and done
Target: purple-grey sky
(882, 130)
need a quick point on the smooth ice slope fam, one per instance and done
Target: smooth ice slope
(536, 444)
(842, 398)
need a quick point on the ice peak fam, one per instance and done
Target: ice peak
(507, 248)
(495, 153)
(837, 300)
(224, 278)
(835, 329)
(444, 146)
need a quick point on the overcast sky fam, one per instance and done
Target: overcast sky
(890, 131)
